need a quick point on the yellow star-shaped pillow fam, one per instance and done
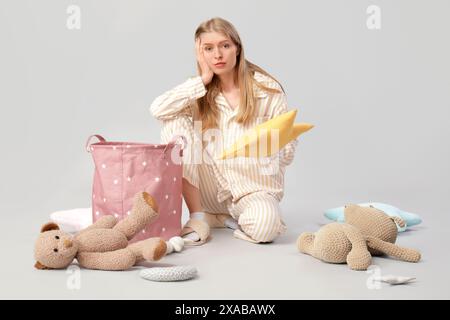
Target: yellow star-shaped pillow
(267, 138)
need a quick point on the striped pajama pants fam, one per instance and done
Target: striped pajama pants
(258, 213)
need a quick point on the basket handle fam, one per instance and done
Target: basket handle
(174, 141)
(88, 142)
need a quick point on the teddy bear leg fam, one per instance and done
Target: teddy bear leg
(144, 212)
(151, 249)
(359, 257)
(393, 250)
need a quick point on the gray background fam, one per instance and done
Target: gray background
(379, 100)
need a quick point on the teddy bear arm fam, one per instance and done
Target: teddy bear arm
(359, 257)
(105, 222)
(394, 250)
(305, 243)
(117, 260)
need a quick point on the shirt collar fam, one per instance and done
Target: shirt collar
(258, 92)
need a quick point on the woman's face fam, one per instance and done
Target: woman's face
(219, 52)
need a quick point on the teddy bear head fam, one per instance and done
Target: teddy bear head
(54, 249)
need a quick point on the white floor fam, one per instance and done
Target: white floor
(230, 268)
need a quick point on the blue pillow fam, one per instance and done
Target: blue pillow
(411, 219)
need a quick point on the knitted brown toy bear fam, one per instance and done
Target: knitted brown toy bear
(104, 244)
(367, 231)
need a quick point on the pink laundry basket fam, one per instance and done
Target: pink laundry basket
(122, 169)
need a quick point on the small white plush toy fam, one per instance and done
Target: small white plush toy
(175, 244)
(392, 279)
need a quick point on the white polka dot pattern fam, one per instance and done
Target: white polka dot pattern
(122, 170)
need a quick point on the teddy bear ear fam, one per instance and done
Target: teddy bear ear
(49, 226)
(40, 266)
(399, 221)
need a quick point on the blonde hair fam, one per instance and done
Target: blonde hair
(206, 107)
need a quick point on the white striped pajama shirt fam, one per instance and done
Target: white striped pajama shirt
(246, 188)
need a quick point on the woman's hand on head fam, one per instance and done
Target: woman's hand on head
(206, 72)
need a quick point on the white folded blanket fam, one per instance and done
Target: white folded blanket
(72, 220)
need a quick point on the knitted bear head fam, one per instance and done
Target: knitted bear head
(366, 232)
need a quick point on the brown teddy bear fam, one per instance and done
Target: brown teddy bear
(367, 231)
(103, 245)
